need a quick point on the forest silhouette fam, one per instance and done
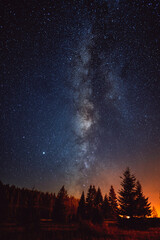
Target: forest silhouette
(129, 209)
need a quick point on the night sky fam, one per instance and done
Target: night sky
(80, 94)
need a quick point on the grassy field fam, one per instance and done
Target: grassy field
(84, 231)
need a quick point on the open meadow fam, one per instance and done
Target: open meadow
(86, 231)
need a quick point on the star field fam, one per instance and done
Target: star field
(80, 93)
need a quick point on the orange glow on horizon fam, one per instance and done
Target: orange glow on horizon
(149, 190)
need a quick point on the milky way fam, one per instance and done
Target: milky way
(106, 117)
(80, 93)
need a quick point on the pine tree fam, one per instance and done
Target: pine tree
(97, 208)
(142, 205)
(113, 203)
(90, 201)
(60, 213)
(106, 208)
(98, 198)
(91, 195)
(127, 194)
(81, 211)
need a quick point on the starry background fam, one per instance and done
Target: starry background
(80, 94)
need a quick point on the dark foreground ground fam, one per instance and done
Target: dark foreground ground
(46, 230)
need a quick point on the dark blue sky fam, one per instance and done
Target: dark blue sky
(80, 93)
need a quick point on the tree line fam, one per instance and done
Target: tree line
(130, 202)
(25, 205)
